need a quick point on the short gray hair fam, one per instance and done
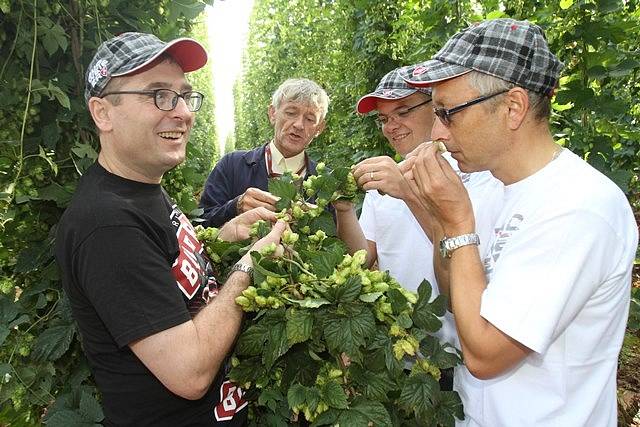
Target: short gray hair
(304, 91)
(486, 84)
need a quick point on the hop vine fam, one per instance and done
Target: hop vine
(326, 339)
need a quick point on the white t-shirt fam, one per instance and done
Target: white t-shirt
(404, 249)
(559, 273)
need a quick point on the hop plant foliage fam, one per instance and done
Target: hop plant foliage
(327, 340)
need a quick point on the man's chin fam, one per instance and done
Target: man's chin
(174, 162)
(466, 168)
(293, 148)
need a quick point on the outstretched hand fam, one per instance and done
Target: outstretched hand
(238, 228)
(255, 198)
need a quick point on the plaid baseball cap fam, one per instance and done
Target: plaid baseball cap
(129, 53)
(392, 86)
(515, 51)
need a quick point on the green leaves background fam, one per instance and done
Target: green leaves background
(46, 142)
(47, 139)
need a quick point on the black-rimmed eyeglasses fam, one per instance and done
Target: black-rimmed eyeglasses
(166, 99)
(383, 119)
(444, 114)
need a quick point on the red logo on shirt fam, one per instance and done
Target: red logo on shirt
(188, 267)
(231, 401)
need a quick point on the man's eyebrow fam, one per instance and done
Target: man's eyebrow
(157, 85)
(164, 85)
(401, 107)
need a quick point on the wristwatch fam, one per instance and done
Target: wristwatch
(450, 244)
(240, 266)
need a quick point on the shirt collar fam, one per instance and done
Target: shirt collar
(280, 164)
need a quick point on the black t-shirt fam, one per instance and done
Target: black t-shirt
(132, 267)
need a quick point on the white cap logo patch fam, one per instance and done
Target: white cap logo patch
(419, 70)
(98, 72)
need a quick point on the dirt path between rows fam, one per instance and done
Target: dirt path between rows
(629, 375)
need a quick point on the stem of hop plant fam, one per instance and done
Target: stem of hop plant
(20, 164)
(297, 264)
(13, 352)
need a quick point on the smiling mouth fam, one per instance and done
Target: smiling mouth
(400, 137)
(171, 135)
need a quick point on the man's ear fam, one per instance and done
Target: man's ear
(100, 110)
(320, 128)
(517, 100)
(272, 114)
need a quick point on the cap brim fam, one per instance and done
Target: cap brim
(188, 53)
(431, 72)
(368, 103)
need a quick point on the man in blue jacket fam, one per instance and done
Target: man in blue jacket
(239, 181)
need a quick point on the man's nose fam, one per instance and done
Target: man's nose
(182, 110)
(439, 132)
(392, 123)
(299, 122)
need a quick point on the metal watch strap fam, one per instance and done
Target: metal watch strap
(450, 244)
(245, 268)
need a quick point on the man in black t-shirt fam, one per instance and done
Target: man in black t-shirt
(156, 326)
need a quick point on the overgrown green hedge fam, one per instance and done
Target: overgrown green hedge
(46, 142)
(347, 46)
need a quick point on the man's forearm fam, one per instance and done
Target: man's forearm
(441, 266)
(350, 232)
(488, 352)
(187, 357)
(218, 324)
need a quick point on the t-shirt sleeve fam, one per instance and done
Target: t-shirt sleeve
(129, 283)
(546, 273)
(367, 218)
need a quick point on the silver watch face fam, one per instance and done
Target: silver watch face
(444, 252)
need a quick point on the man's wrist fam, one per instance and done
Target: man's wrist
(409, 197)
(242, 267)
(458, 229)
(239, 204)
(343, 207)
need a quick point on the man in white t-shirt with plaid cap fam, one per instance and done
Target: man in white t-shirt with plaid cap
(542, 315)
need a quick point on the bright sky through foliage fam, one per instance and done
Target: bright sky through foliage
(227, 25)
